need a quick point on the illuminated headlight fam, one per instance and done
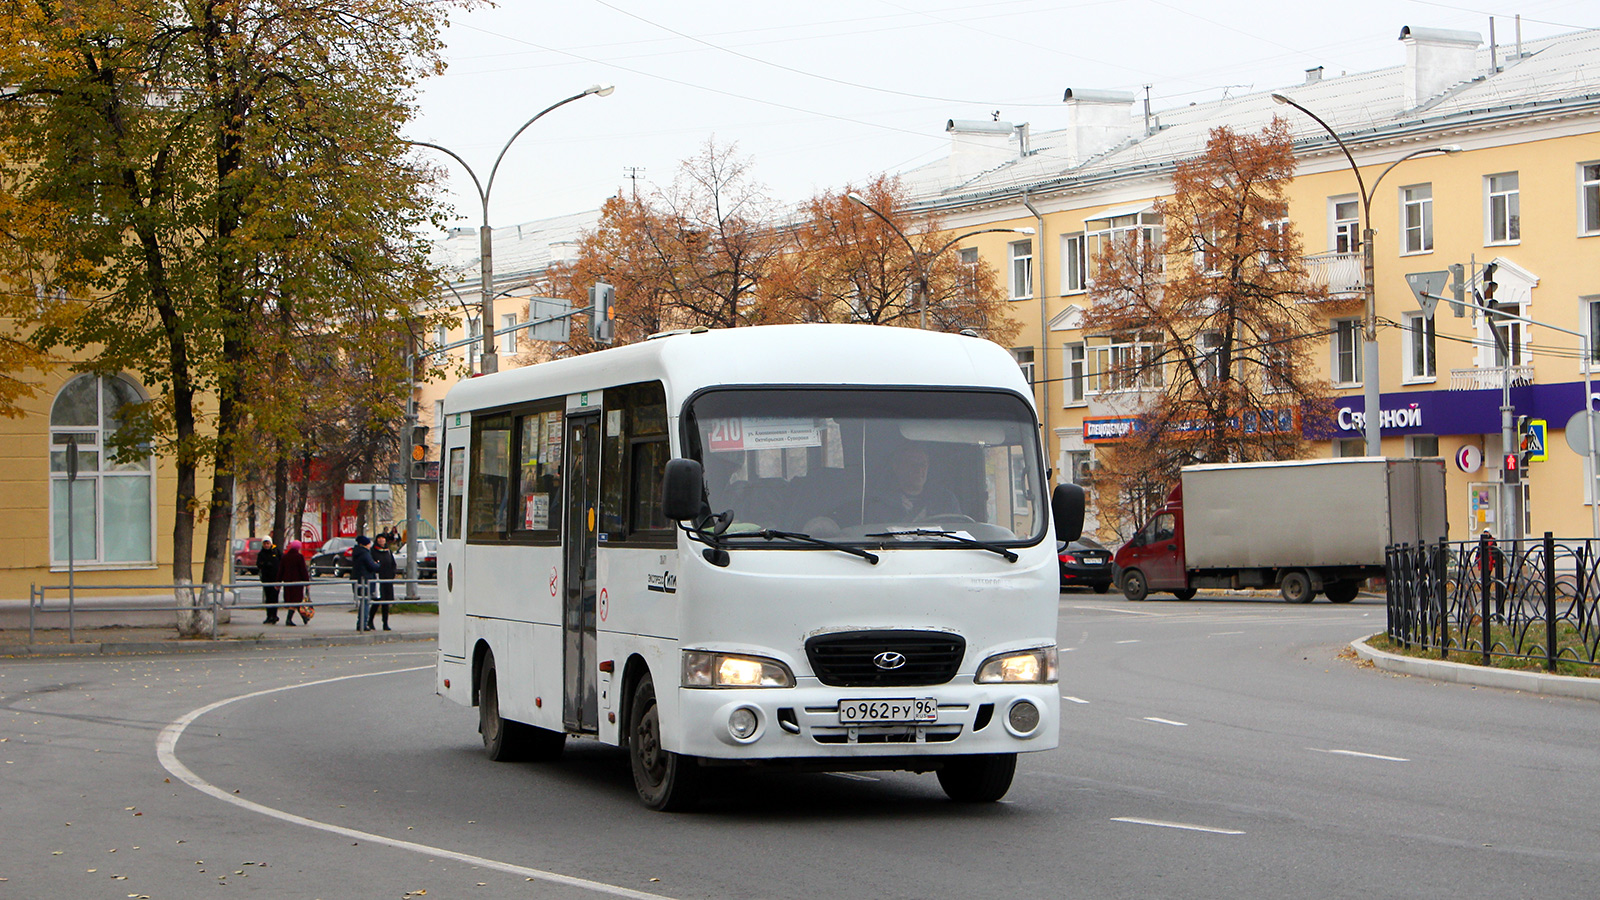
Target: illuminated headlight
(703, 668)
(1028, 667)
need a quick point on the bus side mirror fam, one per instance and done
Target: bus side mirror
(1066, 504)
(683, 490)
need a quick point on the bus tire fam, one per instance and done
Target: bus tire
(1296, 588)
(666, 781)
(503, 740)
(1134, 587)
(1343, 591)
(981, 778)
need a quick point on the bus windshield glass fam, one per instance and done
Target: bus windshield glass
(878, 467)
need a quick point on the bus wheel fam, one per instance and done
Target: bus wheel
(1296, 588)
(503, 739)
(665, 780)
(1134, 587)
(978, 779)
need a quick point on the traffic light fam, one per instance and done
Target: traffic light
(1513, 469)
(603, 313)
(419, 436)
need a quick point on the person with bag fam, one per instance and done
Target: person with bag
(384, 557)
(268, 561)
(294, 574)
(362, 569)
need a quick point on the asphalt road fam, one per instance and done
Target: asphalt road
(1211, 748)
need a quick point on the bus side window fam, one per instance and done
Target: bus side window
(635, 453)
(455, 488)
(489, 487)
(536, 511)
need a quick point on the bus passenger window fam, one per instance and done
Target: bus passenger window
(457, 472)
(649, 466)
(488, 490)
(538, 501)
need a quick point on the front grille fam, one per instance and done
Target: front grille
(846, 660)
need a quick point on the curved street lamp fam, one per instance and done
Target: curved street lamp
(491, 358)
(920, 259)
(1369, 317)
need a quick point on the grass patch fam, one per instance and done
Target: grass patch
(430, 608)
(1503, 641)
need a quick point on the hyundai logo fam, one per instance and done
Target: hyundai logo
(889, 660)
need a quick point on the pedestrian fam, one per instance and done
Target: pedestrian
(294, 575)
(362, 569)
(268, 561)
(384, 557)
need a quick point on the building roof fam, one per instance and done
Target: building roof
(520, 251)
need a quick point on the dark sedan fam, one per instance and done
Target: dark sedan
(333, 558)
(1085, 563)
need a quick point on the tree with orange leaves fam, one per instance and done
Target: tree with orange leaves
(1223, 321)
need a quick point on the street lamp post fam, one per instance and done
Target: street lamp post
(1369, 316)
(920, 259)
(491, 358)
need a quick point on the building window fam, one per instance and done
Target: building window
(1277, 252)
(1510, 337)
(1416, 218)
(1420, 361)
(441, 336)
(1024, 357)
(1589, 198)
(1345, 232)
(1080, 466)
(1591, 308)
(113, 512)
(1210, 363)
(1073, 269)
(1346, 448)
(1022, 270)
(1129, 234)
(1126, 364)
(1422, 446)
(968, 256)
(508, 341)
(1502, 209)
(1347, 351)
(1077, 371)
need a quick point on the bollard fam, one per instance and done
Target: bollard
(1483, 588)
(1550, 653)
(31, 590)
(216, 603)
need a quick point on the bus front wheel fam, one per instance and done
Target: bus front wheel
(981, 778)
(665, 780)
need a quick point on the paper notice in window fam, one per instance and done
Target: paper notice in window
(762, 433)
(537, 514)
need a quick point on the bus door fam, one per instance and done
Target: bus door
(581, 710)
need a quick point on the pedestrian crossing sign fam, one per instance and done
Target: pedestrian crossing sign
(1533, 439)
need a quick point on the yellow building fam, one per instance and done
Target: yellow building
(1522, 192)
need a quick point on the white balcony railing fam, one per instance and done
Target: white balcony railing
(1340, 273)
(1476, 379)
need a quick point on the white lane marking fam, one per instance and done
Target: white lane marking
(1134, 641)
(1181, 826)
(1073, 699)
(166, 751)
(1166, 722)
(1360, 754)
(1126, 612)
(853, 776)
(1066, 649)
(1223, 633)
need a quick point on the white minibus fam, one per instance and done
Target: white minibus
(821, 547)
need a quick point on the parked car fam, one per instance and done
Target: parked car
(245, 551)
(334, 557)
(427, 558)
(1085, 563)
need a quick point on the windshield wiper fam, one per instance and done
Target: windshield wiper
(960, 539)
(770, 534)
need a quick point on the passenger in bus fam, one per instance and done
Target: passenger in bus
(910, 497)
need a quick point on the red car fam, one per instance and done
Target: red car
(245, 551)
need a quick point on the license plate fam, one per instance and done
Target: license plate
(879, 712)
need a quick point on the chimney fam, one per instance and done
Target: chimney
(1436, 60)
(1096, 122)
(977, 146)
(1314, 75)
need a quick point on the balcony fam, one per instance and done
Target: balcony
(1476, 379)
(1340, 273)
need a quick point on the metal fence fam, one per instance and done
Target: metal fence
(208, 600)
(1481, 601)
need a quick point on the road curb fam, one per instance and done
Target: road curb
(203, 645)
(1482, 676)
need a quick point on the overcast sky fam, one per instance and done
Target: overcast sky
(829, 92)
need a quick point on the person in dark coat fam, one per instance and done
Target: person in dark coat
(292, 570)
(267, 564)
(384, 557)
(362, 569)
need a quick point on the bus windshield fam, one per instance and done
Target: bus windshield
(875, 467)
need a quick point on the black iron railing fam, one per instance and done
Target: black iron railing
(1480, 600)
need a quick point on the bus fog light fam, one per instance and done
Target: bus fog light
(742, 723)
(1023, 718)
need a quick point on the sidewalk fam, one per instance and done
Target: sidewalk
(331, 626)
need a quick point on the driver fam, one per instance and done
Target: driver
(911, 498)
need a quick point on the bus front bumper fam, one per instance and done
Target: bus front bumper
(811, 721)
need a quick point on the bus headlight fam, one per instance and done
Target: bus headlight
(1027, 667)
(704, 668)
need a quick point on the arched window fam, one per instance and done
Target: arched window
(113, 511)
